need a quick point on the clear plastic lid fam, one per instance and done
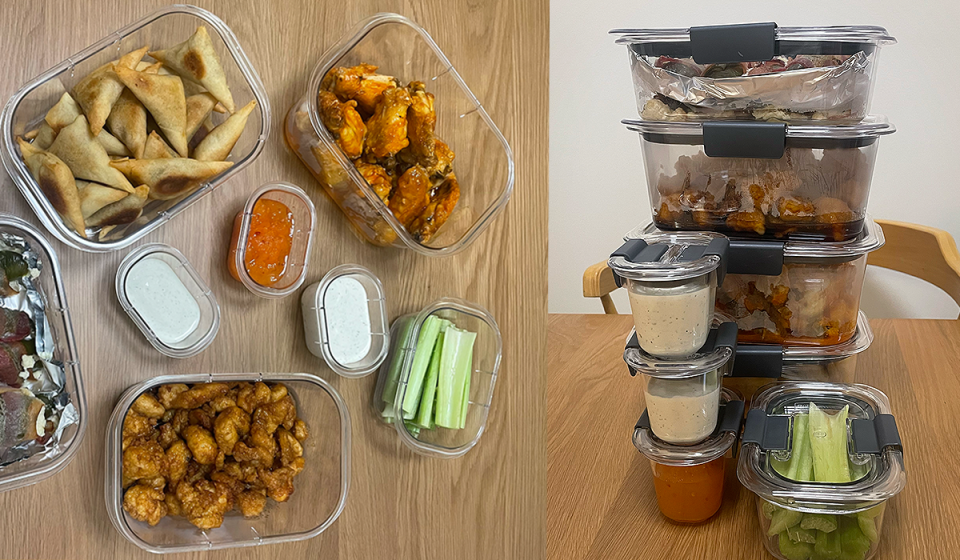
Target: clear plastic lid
(715, 354)
(869, 34)
(723, 438)
(667, 256)
(871, 127)
(783, 413)
(870, 239)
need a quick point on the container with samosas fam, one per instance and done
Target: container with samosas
(114, 141)
(399, 142)
(205, 461)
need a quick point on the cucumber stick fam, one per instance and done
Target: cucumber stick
(421, 359)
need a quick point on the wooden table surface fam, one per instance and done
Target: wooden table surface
(488, 504)
(600, 499)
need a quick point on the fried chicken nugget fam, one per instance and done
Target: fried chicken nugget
(300, 430)
(278, 482)
(252, 396)
(229, 426)
(178, 459)
(167, 393)
(204, 502)
(290, 448)
(136, 426)
(148, 405)
(145, 503)
(251, 502)
(144, 458)
(201, 444)
(167, 436)
(199, 394)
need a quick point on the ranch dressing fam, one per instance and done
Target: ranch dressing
(683, 411)
(672, 320)
(348, 320)
(162, 301)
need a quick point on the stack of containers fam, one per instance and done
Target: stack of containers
(759, 152)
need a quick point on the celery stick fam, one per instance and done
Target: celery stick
(425, 414)
(413, 429)
(805, 459)
(792, 550)
(799, 534)
(768, 509)
(824, 522)
(869, 527)
(828, 441)
(782, 520)
(421, 359)
(444, 413)
(854, 543)
(396, 361)
(827, 546)
(875, 511)
(465, 401)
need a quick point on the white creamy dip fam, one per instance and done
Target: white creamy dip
(348, 320)
(162, 301)
(672, 321)
(683, 410)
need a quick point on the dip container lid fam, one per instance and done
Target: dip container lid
(662, 256)
(676, 40)
(717, 352)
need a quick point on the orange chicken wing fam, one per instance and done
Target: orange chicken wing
(441, 206)
(359, 83)
(344, 122)
(421, 124)
(378, 178)
(387, 128)
(411, 195)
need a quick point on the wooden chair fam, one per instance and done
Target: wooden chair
(920, 251)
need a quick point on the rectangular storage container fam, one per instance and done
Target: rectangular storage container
(761, 179)
(756, 71)
(815, 500)
(320, 491)
(164, 28)
(41, 466)
(487, 351)
(794, 293)
(484, 162)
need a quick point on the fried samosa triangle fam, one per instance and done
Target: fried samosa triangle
(163, 96)
(170, 178)
(97, 92)
(63, 113)
(156, 148)
(86, 157)
(197, 61)
(111, 145)
(45, 136)
(216, 146)
(94, 196)
(123, 211)
(199, 107)
(128, 122)
(56, 182)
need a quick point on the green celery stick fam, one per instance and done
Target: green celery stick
(768, 508)
(467, 374)
(444, 413)
(826, 523)
(421, 359)
(782, 520)
(396, 360)
(794, 550)
(799, 534)
(875, 511)
(828, 442)
(868, 526)
(827, 546)
(425, 414)
(854, 543)
(413, 429)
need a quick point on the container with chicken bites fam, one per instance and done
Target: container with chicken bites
(399, 142)
(315, 448)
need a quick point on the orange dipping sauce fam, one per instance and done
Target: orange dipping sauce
(268, 242)
(689, 494)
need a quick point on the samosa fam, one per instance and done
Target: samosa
(111, 145)
(128, 122)
(156, 148)
(170, 178)
(94, 196)
(199, 107)
(86, 157)
(56, 182)
(197, 61)
(163, 96)
(123, 211)
(97, 92)
(216, 146)
(45, 136)
(63, 113)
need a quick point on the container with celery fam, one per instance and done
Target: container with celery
(436, 384)
(822, 484)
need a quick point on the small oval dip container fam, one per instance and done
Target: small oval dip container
(437, 382)
(345, 320)
(320, 490)
(168, 300)
(688, 480)
(274, 232)
(683, 396)
(672, 280)
(823, 459)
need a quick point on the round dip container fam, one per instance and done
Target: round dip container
(822, 459)
(683, 397)
(671, 279)
(301, 216)
(688, 480)
(166, 298)
(345, 320)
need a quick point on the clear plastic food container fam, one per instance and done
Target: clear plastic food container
(688, 480)
(320, 491)
(683, 396)
(794, 293)
(179, 322)
(304, 218)
(672, 283)
(348, 301)
(754, 71)
(761, 179)
(164, 28)
(823, 459)
(41, 466)
(487, 351)
(484, 162)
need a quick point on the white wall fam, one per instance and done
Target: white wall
(597, 189)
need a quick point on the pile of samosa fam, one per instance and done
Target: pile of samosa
(96, 143)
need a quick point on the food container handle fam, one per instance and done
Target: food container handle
(873, 436)
(768, 432)
(758, 360)
(743, 42)
(752, 256)
(737, 139)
